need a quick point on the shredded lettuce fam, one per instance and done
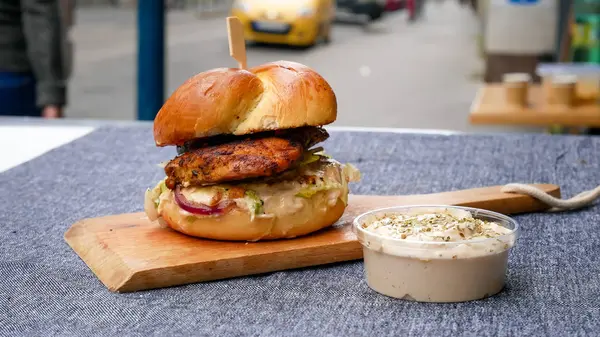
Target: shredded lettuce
(311, 156)
(308, 158)
(321, 153)
(152, 200)
(255, 203)
(326, 182)
(157, 191)
(350, 173)
(309, 191)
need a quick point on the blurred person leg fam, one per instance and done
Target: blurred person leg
(43, 32)
(17, 95)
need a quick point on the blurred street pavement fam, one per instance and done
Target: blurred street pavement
(392, 74)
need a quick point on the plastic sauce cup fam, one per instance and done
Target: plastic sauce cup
(434, 271)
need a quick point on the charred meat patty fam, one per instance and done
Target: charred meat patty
(233, 161)
(229, 158)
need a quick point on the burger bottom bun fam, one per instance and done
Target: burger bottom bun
(317, 213)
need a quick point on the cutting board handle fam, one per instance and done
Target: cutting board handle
(490, 198)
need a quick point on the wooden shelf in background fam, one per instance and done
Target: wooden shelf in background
(489, 107)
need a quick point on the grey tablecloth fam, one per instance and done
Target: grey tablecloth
(553, 283)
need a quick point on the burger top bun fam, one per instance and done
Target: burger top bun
(272, 96)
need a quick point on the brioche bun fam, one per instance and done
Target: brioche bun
(276, 95)
(318, 213)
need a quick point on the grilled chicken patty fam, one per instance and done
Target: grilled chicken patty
(233, 161)
(241, 158)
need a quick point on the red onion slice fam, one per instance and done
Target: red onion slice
(200, 208)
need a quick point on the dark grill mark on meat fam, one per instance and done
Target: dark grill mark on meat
(223, 153)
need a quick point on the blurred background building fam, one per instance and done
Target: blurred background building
(398, 69)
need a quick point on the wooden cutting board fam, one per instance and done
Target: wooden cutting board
(128, 252)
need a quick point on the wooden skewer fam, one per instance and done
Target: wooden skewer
(237, 45)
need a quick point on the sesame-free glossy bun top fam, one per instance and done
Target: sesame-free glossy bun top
(272, 96)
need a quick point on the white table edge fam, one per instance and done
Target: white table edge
(60, 132)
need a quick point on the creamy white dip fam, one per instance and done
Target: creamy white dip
(415, 232)
(434, 254)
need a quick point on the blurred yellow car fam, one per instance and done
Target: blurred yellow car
(290, 22)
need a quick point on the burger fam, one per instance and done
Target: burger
(248, 166)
